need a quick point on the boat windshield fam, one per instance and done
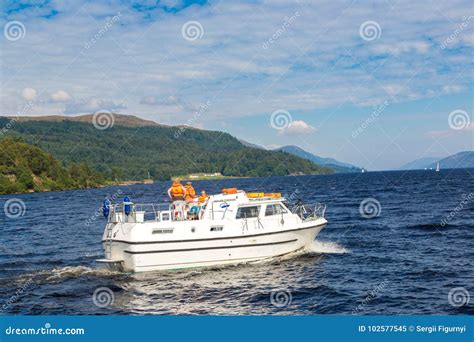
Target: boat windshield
(248, 212)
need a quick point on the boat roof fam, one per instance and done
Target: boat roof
(241, 198)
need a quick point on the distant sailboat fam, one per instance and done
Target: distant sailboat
(437, 167)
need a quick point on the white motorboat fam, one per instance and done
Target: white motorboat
(228, 228)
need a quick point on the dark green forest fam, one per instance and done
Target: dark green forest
(89, 156)
(24, 168)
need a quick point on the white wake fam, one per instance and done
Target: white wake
(325, 247)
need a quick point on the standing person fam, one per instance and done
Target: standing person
(177, 194)
(190, 192)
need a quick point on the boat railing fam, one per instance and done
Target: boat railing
(140, 212)
(218, 209)
(308, 212)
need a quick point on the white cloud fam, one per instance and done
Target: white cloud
(170, 102)
(149, 100)
(60, 96)
(440, 134)
(92, 105)
(319, 67)
(453, 88)
(469, 127)
(29, 94)
(320, 61)
(402, 47)
(297, 127)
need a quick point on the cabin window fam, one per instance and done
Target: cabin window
(217, 229)
(274, 209)
(165, 216)
(248, 212)
(162, 231)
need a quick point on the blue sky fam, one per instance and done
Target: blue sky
(376, 84)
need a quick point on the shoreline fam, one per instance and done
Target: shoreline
(208, 178)
(128, 183)
(107, 185)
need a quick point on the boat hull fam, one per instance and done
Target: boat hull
(167, 255)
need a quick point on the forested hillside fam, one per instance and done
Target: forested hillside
(129, 153)
(24, 167)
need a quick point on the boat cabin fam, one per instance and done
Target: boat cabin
(224, 206)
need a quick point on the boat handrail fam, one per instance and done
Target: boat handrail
(267, 198)
(139, 212)
(222, 210)
(309, 212)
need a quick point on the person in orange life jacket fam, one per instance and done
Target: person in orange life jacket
(177, 192)
(190, 192)
(203, 198)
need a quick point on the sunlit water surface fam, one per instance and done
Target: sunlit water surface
(402, 261)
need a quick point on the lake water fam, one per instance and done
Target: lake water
(412, 254)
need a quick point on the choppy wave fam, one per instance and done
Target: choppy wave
(57, 275)
(431, 226)
(326, 247)
(404, 248)
(78, 271)
(316, 247)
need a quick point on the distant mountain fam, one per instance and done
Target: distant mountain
(118, 119)
(460, 160)
(332, 163)
(249, 144)
(419, 164)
